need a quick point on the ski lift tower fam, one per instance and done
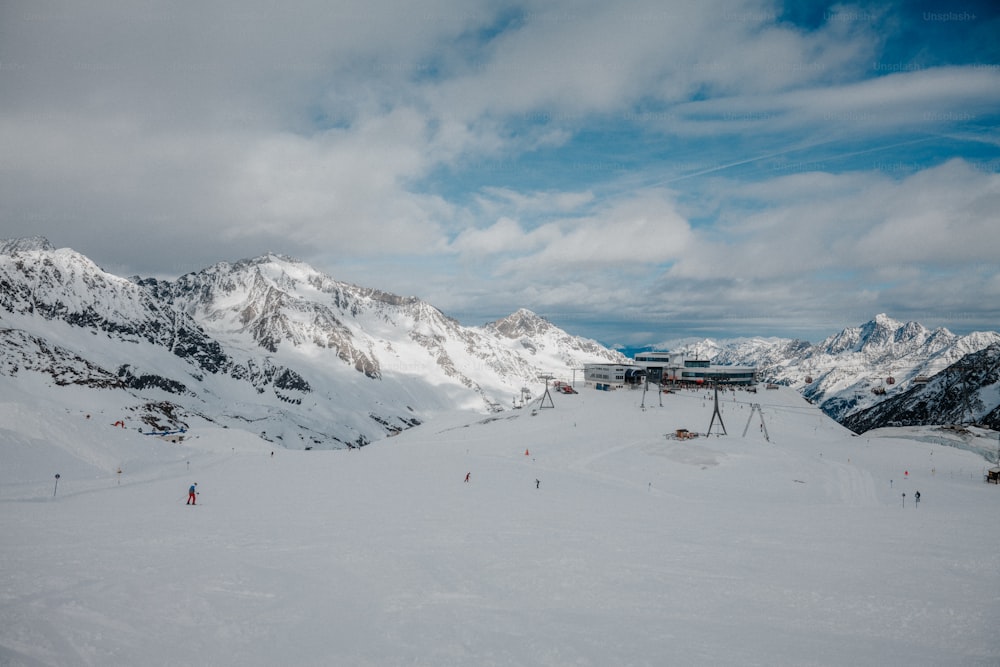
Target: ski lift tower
(715, 411)
(546, 394)
(755, 408)
(645, 387)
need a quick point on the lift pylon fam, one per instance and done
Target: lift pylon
(755, 407)
(546, 395)
(716, 413)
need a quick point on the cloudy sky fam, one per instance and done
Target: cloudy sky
(635, 171)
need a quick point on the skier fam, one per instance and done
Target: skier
(538, 483)
(193, 494)
(916, 497)
(467, 475)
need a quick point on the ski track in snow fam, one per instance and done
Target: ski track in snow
(634, 550)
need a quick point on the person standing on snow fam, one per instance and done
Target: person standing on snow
(193, 494)
(467, 475)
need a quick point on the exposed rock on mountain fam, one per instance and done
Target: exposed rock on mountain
(537, 336)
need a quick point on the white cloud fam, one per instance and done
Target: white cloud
(343, 188)
(313, 123)
(574, 60)
(854, 221)
(849, 243)
(503, 236)
(930, 98)
(632, 234)
(535, 202)
(349, 134)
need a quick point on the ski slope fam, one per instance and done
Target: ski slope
(634, 549)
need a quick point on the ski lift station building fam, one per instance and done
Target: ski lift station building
(612, 376)
(663, 367)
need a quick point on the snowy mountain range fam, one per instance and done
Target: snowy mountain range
(860, 367)
(311, 362)
(270, 341)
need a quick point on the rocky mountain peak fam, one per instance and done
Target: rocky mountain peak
(522, 322)
(26, 244)
(876, 336)
(879, 331)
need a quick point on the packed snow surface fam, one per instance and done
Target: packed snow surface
(584, 536)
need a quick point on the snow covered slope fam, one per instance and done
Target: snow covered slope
(585, 536)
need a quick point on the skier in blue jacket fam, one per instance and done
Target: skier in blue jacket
(193, 494)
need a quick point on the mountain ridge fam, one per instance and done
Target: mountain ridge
(858, 367)
(324, 363)
(315, 361)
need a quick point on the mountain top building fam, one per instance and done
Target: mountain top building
(666, 368)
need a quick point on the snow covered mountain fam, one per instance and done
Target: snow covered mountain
(967, 392)
(310, 361)
(856, 368)
(315, 362)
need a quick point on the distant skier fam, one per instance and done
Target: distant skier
(916, 497)
(193, 494)
(538, 483)
(467, 475)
